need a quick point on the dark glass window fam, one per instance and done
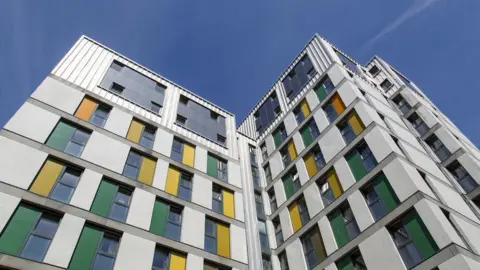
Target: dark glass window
(121, 203)
(65, 185)
(386, 85)
(374, 71)
(106, 253)
(40, 238)
(462, 176)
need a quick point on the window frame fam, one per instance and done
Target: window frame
(58, 182)
(99, 245)
(147, 130)
(124, 191)
(185, 178)
(132, 166)
(32, 233)
(179, 211)
(100, 107)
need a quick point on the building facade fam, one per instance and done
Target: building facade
(339, 166)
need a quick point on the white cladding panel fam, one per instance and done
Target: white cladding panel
(118, 122)
(59, 95)
(132, 246)
(7, 206)
(86, 189)
(141, 208)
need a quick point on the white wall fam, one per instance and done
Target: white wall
(471, 165)
(286, 224)
(238, 244)
(424, 162)
(447, 139)
(312, 99)
(298, 141)
(118, 122)
(7, 206)
(86, 189)
(239, 211)
(22, 163)
(160, 176)
(470, 232)
(269, 144)
(276, 165)
(331, 143)
(141, 208)
(321, 120)
(200, 162)
(313, 200)
(344, 173)
(375, 257)
(279, 192)
(360, 210)
(327, 235)
(234, 176)
(194, 262)
(33, 122)
(427, 116)
(164, 141)
(367, 114)
(202, 191)
(405, 135)
(63, 244)
(381, 144)
(290, 122)
(58, 95)
(193, 228)
(348, 92)
(295, 257)
(459, 262)
(134, 253)
(106, 152)
(302, 171)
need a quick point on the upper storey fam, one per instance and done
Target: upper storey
(105, 72)
(302, 74)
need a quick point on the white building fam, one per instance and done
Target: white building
(339, 166)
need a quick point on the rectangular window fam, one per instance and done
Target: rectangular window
(344, 225)
(183, 152)
(56, 181)
(213, 266)
(164, 259)
(298, 77)
(462, 176)
(217, 238)
(93, 111)
(324, 88)
(221, 140)
(111, 201)
(140, 167)
(380, 197)
(263, 148)
(116, 88)
(155, 107)
(374, 71)
(351, 127)
(262, 230)
(313, 248)
(402, 104)
(309, 132)
(28, 233)
(278, 231)
(438, 147)
(253, 155)
(255, 176)
(330, 188)
(282, 257)
(166, 220)
(352, 261)
(273, 200)
(268, 173)
(333, 108)
(386, 85)
(314, 161)
(291, 182)
(181, 120)
(96, 249)
(361, 161)
(418, 124)
(413, 240)
(279, 135)
(141, 133)
(217, 167)
(259, 205)
(266, 264)
(179, 183)
(302, 111)
(68, 138)
(298, 214)
(288, 153)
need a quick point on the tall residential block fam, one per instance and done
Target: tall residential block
(339, 166)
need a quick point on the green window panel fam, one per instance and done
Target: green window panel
(17, 230)
(85, 251)
(420, 236)
(277, 139)
(338, 228)
(212, 166)
(306, 135)
(356, 165)
(345, 264)
(288, 186)
(321, 92)
(60, 136)
(104, 198)
(386, 193)
(159, 218)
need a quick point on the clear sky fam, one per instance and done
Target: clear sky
(231, 52)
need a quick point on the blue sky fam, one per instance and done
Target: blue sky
(231, 52)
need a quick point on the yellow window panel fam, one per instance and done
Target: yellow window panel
(295, 216)
(228, 204)
(147, 170)
(334, 184)
(85, 109)
(355, 123)
(310, 164)
(188, 154)
(305, 108)
(46, 178)
(135, 131)
(173, 176)
(292, 150)
(223, 240)
(177, 261)
(338, 104)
